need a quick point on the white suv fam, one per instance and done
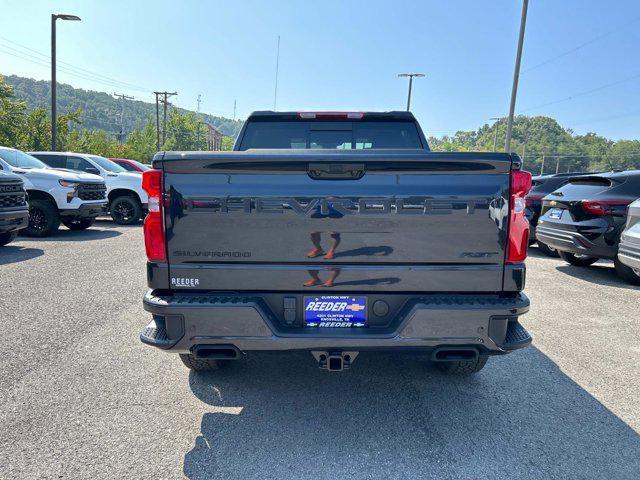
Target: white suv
(55, 196)
(127, 200)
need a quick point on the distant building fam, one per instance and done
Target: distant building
(214, 137)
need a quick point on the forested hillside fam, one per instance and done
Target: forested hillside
(538, 138)
(89, 121)
(99, 110)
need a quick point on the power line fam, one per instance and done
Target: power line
(580, 46)
(581, 94)
(71, 69)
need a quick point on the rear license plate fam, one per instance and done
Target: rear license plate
(335, 311)
(555, 213)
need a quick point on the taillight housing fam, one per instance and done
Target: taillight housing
(602, 207)
(518, 241)
(154, 236)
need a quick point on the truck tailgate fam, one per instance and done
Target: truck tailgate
(402, 221)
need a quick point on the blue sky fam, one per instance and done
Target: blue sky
(345, 55)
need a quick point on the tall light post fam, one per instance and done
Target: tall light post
(410, 75)
(54, 126)
(516, 75)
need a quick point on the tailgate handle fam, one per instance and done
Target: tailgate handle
(336, 171)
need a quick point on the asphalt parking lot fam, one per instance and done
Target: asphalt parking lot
(83, 398)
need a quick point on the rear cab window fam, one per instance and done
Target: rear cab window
(341, 135)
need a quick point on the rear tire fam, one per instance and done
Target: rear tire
(79, 224)
(547, 250)
(463, 367)
(577, 260)
(199, 364)
(628, 274)
(126, 210)
(7, 238)
(43, 219)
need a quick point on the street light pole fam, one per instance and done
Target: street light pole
(516, 75)
(54, 116)
(410, 75)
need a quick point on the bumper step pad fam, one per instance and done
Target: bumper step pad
(517, 337)
(156, 334)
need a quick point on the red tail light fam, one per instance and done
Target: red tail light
(518, 242)
(602, 207)
(154, 237)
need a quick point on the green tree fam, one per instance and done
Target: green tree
(185, 132)
(12, 113)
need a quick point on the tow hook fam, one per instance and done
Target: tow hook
(334, 361)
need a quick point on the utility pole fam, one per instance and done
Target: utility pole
(234, 109)
(410, 75)
(495, 138)
(275, 93)
(516, 75)
(54, 113)
(523, 147)
(164, 101)
(157, 122)
(199, 119)
(558, 165)
(123, 97)
(542, 166)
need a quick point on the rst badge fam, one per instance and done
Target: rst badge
(335, 311)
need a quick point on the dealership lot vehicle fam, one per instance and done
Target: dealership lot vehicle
(55, 196)
(131, 165)
(14, 210)
(584, 219)
(87, 389)
(542, 185)
(127, 199)
(249, 226)
(629, 248)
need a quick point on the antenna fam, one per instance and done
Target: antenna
(275, 93)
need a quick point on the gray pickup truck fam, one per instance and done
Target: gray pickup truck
(336, 233)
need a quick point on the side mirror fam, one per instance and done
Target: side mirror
(93, 170)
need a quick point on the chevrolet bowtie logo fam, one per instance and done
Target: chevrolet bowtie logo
(355, 307)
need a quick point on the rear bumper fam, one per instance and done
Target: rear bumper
(629, 250)
(574, 242)
(486, 322)
(13, 220)
(86, 210)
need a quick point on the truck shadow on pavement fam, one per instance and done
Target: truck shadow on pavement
(65, 235)
(15, 253)
(598, 273)
(392, 416)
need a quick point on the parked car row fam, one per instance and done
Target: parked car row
(64, 187)
(585, 217)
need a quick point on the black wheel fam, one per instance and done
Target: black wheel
(79, 223)
(200, 364)
(7, 237)
(547, 250)
(628, 274)
(43, 219)
(577, 260)
(126, 210)
(463, 367)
